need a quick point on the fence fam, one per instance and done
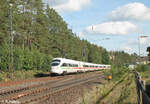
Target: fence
(142, 90)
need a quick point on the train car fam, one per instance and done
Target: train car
(64, 66)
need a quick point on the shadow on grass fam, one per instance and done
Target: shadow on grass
(38, 75)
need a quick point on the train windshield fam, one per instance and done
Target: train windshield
(55, 62)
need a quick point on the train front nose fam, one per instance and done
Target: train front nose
(55, 70)
(55, 66)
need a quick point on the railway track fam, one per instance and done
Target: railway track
(35, 93)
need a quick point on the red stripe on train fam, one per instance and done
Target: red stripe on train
(87, 68)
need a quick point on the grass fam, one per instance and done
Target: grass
(21, 75)
(116, 91)
(122, 91)
(107, 90)
(125, 94)
(145, 76)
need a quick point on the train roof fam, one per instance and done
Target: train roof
(74, 61)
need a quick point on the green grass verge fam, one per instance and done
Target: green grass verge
(22, 74)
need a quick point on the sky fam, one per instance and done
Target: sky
(117, 25)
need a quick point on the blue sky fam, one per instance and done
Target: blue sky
(122, 21)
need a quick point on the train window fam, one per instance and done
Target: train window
(72, 65)
(69, 65)
(55, 64)
(64, 64)
(56, 60)
(76, 65)
(84, 65)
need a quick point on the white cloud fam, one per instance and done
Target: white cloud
(69, 5)
(137, 41)
(132, 11)
(112, 28)
(132, 45)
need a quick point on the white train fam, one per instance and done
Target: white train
(64, 66)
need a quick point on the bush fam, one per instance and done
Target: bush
(118, 72)
(4, 57)
(46, 62)
(36, 60)
(27, 59)
(24, 59)
(1, 77)
(41, 61)
(142, 68)
(18, 58)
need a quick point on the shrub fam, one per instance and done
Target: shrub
(1, 77)
(36, 60)
(24, 59)
(18, 58)
(142, 68)
(47, 61)
(27, 59)
(4, 57)
(118, 72)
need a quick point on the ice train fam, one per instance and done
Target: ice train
(62, 66)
